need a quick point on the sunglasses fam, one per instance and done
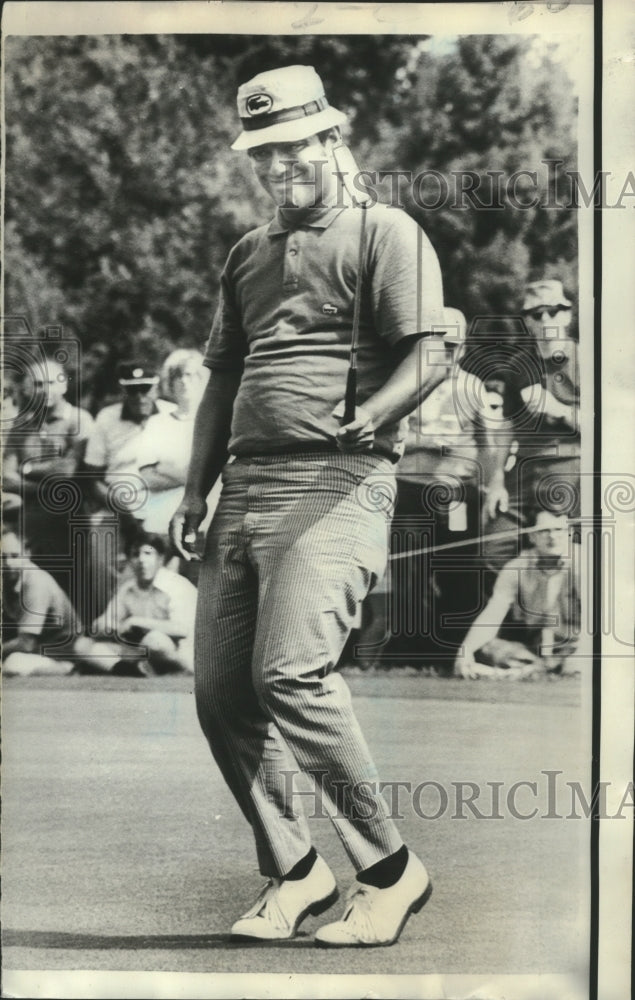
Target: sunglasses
(538, 313)
(137, 389)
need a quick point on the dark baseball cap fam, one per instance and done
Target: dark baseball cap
(136, 373)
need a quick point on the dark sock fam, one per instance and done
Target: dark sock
(387, 871)
(303, 867)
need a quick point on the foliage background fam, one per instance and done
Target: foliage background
(122, 197)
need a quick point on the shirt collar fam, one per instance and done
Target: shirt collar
(317, 218)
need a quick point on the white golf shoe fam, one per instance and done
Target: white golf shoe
(283, 905)
(376, 917)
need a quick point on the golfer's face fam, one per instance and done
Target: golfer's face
(295, 174)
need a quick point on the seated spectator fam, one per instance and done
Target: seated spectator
(154, 610)
(37, 616)
(48, 438)
(531, 622)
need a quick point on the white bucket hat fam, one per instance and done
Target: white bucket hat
(284, 105)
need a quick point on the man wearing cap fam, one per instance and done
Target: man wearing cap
(544, 465)
(299, 536)
(114, 452)
(553, 454)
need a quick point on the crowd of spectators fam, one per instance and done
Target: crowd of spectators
(482, 580)
(491, 472)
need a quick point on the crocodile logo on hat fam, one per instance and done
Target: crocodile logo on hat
(258, 104)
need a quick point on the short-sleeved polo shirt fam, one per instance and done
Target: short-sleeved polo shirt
(285, 317)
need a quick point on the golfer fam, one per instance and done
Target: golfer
(300, 533)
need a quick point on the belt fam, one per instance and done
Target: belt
(321, 447)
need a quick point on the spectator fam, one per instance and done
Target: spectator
(113, 455)
(50, 440)
(167, 444)
(39, 624)
(11, 398)
(552, 455)
(452, 455)
(538, 377)
(155, 609)
(115, 447)
(532, 620)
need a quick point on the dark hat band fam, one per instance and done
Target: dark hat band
(287, 115)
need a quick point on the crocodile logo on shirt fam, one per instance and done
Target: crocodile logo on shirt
(329, 310)
(259, 104)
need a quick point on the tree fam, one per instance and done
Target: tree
(490, 103)
(123, 198)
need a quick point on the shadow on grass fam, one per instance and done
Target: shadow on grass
(119, 942)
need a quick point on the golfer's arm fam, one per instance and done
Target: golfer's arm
(211, 433)
(413, 379)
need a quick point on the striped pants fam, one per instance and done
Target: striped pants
(295, 545)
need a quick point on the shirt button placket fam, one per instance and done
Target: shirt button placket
(292, 259)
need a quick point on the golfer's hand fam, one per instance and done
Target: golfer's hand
(184, 525)
(359, 435)
(465, 667)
